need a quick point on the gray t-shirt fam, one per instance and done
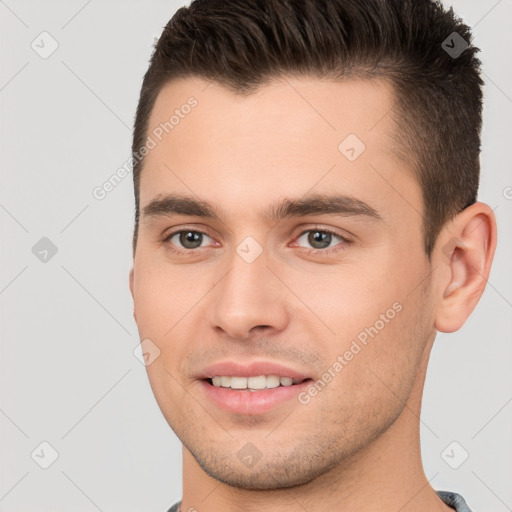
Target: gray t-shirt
(452, 499)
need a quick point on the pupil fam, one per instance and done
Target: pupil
(321, 238)
(190, 237)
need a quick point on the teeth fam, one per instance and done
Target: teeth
(272, 381)
(252, 383)
(259, 382)
(239, 382)
(286, 381)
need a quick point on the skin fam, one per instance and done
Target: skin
(356, 445)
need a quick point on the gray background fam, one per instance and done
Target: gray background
(68, 373)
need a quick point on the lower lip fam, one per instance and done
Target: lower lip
(251, 402)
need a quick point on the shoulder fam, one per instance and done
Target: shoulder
(175, 507)
(454, 500)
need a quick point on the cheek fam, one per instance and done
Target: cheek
(162, 296)
(375, 299)
(373, 379)
(168, 300)
(352, 303)
(381, 330)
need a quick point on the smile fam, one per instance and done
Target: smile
(252, 395)
(256, 383)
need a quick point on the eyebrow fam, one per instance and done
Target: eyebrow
(316, 204)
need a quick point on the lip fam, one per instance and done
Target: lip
(253, 369)
(251, 402)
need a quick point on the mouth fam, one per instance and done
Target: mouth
(255, 395)
(252, 387)
(254, 383)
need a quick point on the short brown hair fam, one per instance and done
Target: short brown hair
(244, 44)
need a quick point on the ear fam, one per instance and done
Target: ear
(464, 253)
(131, 291)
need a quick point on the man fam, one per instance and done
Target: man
(306, 221)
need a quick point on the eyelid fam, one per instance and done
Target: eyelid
(166, 238)
(343, 233)
(323, 229)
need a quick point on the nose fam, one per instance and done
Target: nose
(249, 298)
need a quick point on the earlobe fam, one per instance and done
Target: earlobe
(464, 254)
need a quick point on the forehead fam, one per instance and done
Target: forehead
(289, 137)
(301, 106)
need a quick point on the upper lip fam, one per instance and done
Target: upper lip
(253, 369)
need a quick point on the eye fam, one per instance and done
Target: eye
(188, 239)
(321, 239)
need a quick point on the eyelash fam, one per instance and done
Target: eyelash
(343, 241)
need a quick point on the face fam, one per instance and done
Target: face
(308, 264)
